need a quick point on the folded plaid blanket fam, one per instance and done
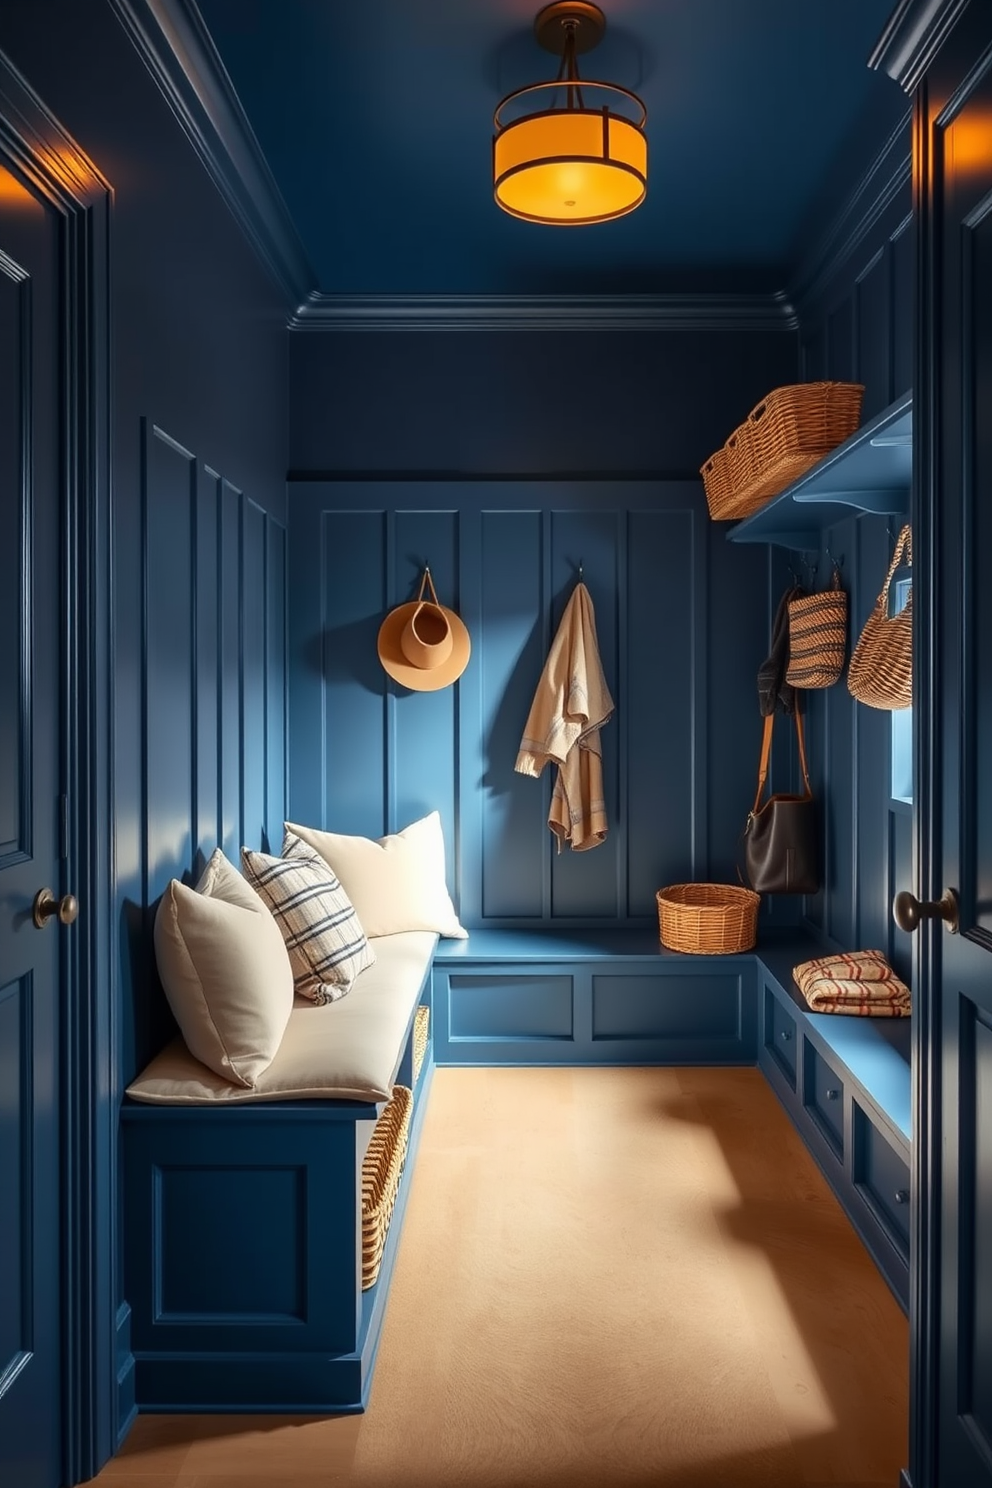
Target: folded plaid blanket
(858, 982)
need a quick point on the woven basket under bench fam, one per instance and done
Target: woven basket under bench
(382, 1166)
(785, 435)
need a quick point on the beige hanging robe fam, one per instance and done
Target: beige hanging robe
(570, 706)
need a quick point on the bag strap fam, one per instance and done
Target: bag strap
(425, 581)
(766, 754)
(903, 542)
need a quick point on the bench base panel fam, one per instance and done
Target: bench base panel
(310, 1340)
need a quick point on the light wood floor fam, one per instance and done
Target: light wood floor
(614, 1276)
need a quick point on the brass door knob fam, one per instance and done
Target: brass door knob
(908, 911)
(46, 907)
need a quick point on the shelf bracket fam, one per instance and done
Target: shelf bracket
(878, 502)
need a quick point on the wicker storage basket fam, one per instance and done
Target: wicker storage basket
(781, 438)
(421, 1027)
(708, 919)
(718, 482)
(382, 1168)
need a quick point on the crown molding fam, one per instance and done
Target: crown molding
(913, 36)
(324, 312)
(173, 41)
(47, 155)
(887, 178)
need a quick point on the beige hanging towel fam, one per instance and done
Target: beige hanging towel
(570, 706)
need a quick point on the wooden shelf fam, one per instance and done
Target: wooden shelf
(870, 472)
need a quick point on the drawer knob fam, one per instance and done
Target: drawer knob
(785, 1035)
(833, 1095)
(902, 1195)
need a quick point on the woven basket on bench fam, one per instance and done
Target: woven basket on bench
(781, 438)
(382, 1169)
(707, 919)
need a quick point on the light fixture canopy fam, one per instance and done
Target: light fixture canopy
(570, 164)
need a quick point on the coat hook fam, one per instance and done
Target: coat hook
(580, 570)
(837, 562)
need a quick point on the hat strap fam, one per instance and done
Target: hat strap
(425, 581)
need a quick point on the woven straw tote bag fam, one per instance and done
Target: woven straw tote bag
(817, 637)
(881, 669)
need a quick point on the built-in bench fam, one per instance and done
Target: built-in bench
(845, 1082)
(243, 1208)
(243, 1221)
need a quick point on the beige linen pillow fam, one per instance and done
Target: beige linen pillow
(225, 971)
(327, 945)
(396, 883)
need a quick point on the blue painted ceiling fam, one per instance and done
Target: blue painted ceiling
(375, 117)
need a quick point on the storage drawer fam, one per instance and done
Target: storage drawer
(780, 1036)
(823, 1097)
(881, 1176)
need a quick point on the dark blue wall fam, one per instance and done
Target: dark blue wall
(856, 324)
(652, 402)
(679, 619)
(611, 420)
(198, 428)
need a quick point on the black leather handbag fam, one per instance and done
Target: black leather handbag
(780, 840)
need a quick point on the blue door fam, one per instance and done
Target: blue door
(30, 851)
(953, 683)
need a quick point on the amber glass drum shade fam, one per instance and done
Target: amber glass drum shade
(570, 166)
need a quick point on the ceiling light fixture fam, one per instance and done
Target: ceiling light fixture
(570, 164)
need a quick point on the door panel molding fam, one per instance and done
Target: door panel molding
(15, 441)
(34, 142)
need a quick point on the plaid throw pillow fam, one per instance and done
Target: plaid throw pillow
(326, 943)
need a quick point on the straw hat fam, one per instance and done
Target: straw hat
(423, 644)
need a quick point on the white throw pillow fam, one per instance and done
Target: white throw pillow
(326, 943)
(396, 883)
(225, 970)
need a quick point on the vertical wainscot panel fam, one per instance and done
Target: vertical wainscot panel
(505, 814)
(341, 780)
(666, 622)
(254, 688)
(903, 299)
(169, 491)
(422, 726)
(229, 602)
(873, 317)
(276, 683)
(207, 824)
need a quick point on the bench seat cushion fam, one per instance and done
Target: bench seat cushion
(345, 1050)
